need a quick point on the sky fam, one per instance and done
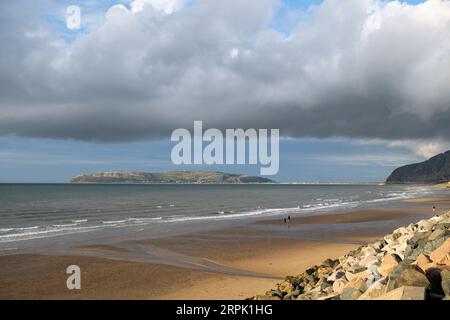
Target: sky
(356, 87)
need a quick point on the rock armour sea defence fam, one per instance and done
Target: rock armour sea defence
(412, 263)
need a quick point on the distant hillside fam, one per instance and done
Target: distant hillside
(434, 170)
(174, 177)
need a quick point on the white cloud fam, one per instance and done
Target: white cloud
(392, 160)
(360, 69)
(234, 53)
(423, 148)
(117, 11)
(166, 6)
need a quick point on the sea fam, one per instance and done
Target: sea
(32, 213)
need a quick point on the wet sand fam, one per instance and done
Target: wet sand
(442, 200)
(351, 217)
(232, 263)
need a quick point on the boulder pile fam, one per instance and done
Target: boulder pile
(412, 263)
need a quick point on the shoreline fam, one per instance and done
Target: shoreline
(230, 263)
(170, 216)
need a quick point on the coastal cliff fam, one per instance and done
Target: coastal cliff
(173, 177)
(434, 170)
(412, 263)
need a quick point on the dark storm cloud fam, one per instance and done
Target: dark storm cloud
(357, 69)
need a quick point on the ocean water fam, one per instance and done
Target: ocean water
(36, 211)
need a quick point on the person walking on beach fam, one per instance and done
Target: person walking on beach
(284, 220)
(289, 218)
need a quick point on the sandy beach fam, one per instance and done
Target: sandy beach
(233, 263)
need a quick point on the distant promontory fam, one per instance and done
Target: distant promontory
(434, 170)
(171, 177)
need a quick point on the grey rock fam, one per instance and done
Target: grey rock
(311, 271)
(406, 275)
(329, 263)
(326, 284)
(331, 296)
(445, 281)
(378, 245)
(350, 294)
(292, 295)
(419, 235)
(336, 275)
(339, 285)
(430, 246)
(389, 238)
(275, 293)
(440, 231)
